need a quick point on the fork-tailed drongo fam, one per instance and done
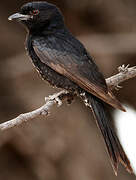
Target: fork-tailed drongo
(63, 61)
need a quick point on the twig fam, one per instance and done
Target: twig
(124, 74)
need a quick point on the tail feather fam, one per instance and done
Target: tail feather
(113, 145)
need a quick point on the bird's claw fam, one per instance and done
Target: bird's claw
(58, 101)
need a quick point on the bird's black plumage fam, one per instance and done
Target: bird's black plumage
(63, 61)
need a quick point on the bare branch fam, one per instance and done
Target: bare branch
(43, 110)
(124, 74)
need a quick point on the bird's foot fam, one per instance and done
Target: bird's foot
(58, 101)
(56, 97)
(69, 97)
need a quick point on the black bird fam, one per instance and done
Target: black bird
(64, 62)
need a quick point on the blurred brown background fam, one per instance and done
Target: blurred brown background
(67, 145)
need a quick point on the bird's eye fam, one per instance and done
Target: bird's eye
(35, 12)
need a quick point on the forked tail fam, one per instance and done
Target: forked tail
(113, 145)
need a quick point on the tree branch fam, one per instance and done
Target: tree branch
(124, 74)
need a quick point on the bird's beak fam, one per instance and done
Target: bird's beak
(18, 16)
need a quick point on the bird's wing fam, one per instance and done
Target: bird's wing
(71, 60)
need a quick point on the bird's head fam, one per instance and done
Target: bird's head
(38, 15)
